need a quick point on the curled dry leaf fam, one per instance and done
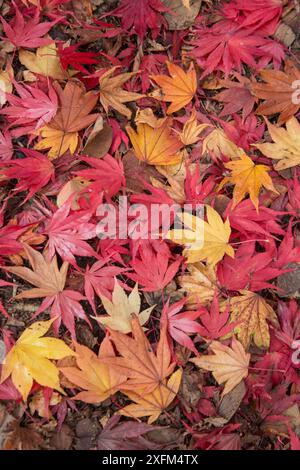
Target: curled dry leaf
(44, 61)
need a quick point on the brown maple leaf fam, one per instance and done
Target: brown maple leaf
(61, 134)
(112, 93)
(278, 91)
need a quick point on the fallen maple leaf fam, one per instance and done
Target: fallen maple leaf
(112, 93)
(61, 133)
(217, 144)
(210, 245)
(121, 308)
(50, 282)
(179, 89)
(252, 312)
(127, 435)
(247, 178)
(98, 379)
(199, 284)
(153, 404)
(32, 172)
(191, 130)
(99, 280)
(144, 369)
(214, 324)
(229, 365)
(140, 16)
(226, 46)
(28, 359)
(278, 92)
(67, 233)
(248, 269)
(154, 270)
(180, 325)
(155, 146)
(27, 33)
(32, 109)
(238, 96)
(107, 174)
(286, 146)
(44, 61)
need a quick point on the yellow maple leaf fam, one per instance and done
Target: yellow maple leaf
(112, 93)
(98, 380)
(252, 312)
(228, 365)
(199, 284)
(217, 144)
(28, 359)
(44, 61)
(58, 141)
(121, 308)
(248, 178)
(179, 88)
(204, 240)
(155, 146)
(153, 404)
(286, 146)
(191, 130)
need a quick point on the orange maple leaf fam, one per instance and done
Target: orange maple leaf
(98, 379)
(155, 146)
(179, 89)
(144, 369)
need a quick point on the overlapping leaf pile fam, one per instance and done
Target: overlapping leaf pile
(160, 102)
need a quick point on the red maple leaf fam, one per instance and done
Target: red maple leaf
(180, 325)
(6, 148)
(71, 56)
(32, 172)
(32, 109)
(29, 32)
(67, 232)
(107, 174)
(257, 15)
(99, 280)
(226, 46)
(248, 269)
(214, 324)
(137, 17)
(245, 219)
(153, 267)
